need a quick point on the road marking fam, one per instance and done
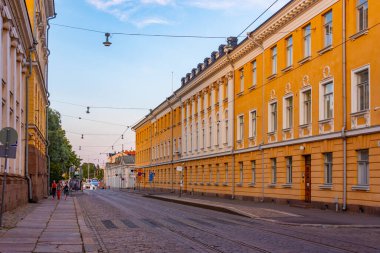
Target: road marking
(108, 224)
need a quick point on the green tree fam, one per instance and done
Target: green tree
(90, 170)
(62, 156)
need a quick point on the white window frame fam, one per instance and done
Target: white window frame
(303, 116)
(240, 127)
(306, 40)
(217, 130)
(210, 173)
(354, 88)
(217, 179)
(241, 72)
(253, 172)
(226, 126)
(362, 7)
(226, 173)
(273, 163)
(327, 29)
(274, 59)
(328, 164)
(363, 167)
(272, 117)
(289, 51)
(323, 97)
(210, 132)
(241, 172)
(288, 116)
(252, 123)
(254, 73)
(289, 169)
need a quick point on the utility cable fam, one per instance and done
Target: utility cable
(100, 107)
(97, 121)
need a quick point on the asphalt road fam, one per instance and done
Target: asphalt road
(128, 222)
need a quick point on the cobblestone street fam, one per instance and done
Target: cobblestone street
(127, 222)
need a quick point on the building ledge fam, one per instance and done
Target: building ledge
(272, 185)
(360, 188)
(225, 184)
(287, 68)
(288, 185)
(304, 60)
(252, 185)
(272, 76)
(240, 94)
(325, 50)
(239, 184)
(326, 186)
(253, 87)
(359, 34)
(216, 184)
(208, 184)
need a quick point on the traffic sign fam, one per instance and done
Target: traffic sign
(179, 168)
(8, 136)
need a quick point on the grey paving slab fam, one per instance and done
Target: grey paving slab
(20, 247)
(51, 248)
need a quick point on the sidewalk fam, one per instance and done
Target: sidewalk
(52, 226)
(275, 213)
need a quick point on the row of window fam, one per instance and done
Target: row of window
(362, 24)
(199, 174)
(360, 87)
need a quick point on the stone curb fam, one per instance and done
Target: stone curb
(89, 244)
(235, 211)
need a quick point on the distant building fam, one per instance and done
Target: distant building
(119, 171)
(291, 114)
(23, 73)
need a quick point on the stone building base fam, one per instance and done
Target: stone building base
(16, 193)
(38, 174)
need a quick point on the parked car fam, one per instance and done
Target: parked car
(94, 184)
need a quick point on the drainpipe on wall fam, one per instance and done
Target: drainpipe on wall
(30, 190)
(48, 104)
(262, 116)
(344, 91)
(233, 123)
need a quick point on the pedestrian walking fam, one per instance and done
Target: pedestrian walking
(66, 190)
(59, 189)
(53, 189)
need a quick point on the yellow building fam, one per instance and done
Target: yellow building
(40, 11)
(287, 115)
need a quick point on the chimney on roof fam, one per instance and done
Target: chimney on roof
(188, 76)
(193, 72)
(205, 62)
(199, 67)
(221, 50)
(232, 41)
(213, 56)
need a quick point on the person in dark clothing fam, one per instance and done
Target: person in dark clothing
(53, 189)
(66, 190)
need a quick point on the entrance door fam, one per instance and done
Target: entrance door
(307, 178)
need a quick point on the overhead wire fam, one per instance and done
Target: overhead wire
(101, 107)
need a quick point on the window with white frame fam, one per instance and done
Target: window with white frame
(217, 130)
(175, 145)
(305, 107)
(191, 138)
(210, 132)
(328, 29)
(241, 172)
(273, 163)
(203, 134)
(253, 123)
(362, 14)
(273, 117)
(217, 179)
(226, 125)
(196, 136)
(328, 157)
(226, 172)
(253, 172)
(363, 167)
(203, 173)
(362, 90)
(288, 112)
(307, 41)
(254, 73)
(179, 145)
(274, 60)
(186, 140)
(241, 71)
(240, 127)
(289, 169)
(328, 100)
(209, 174)
(196, 174)
(289, 51)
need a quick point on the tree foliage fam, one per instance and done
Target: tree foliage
(62, 156)
(90, 170)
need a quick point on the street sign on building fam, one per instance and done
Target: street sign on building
(179, 168)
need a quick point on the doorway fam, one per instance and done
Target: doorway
(307, 178)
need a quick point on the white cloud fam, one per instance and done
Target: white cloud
(159, 2)
(151, 21)
(232, 5)
(106, 4)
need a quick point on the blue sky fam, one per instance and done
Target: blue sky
(134, 72)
